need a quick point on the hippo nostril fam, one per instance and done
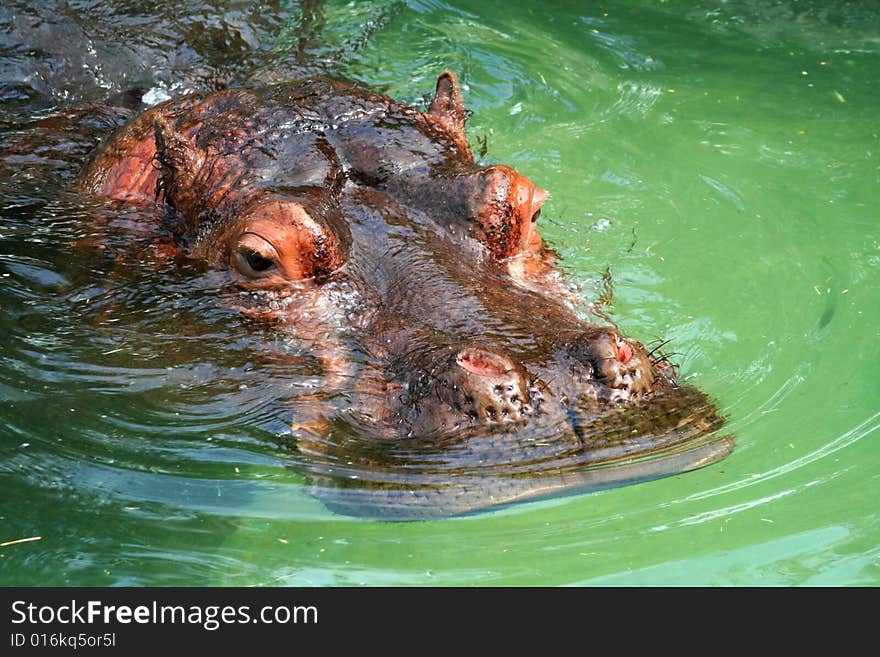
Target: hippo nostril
(624, 350)
(613, 362)
(479, 387)
(482, 363)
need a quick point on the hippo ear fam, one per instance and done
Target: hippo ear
(179, 161)
(447, 108)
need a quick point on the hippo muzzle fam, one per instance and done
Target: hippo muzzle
(481, 387)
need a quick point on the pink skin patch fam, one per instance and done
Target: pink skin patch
(624, 351)
(481, 363)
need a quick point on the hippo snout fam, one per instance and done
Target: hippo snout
(481, 386)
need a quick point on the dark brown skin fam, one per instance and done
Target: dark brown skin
(420, 279)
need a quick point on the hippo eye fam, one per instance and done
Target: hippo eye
(536, 215)
(254, 256)
(257, 262)
(253, 263)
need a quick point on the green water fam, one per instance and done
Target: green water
(721, 159)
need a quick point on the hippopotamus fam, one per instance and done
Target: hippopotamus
(458, 370)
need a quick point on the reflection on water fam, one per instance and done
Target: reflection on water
(145, 425)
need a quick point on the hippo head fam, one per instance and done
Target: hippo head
(468, 378)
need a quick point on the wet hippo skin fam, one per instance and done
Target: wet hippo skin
(457, 374)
